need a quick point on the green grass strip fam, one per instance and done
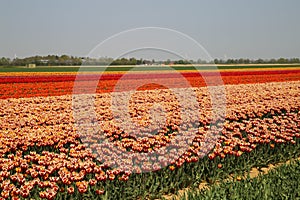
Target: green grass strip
(282, 182)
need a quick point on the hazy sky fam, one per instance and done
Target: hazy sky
(231, 28)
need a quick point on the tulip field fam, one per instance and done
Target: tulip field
(51, 147)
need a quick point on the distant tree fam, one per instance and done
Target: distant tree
(294, 60)
(4, 61)
(179, 62)
(272, 60)
(132, 61)
(241, 61)
(167, 62)
(139, 62)
(259, 61)
(183, 62)
(199, 61)
(229, 61)
(18, 62)
(246, 61)
(282, 60)
(216, 61)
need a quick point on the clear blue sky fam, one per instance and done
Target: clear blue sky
(231, 28)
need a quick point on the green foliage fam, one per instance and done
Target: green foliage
(279, 183)
(257, 61)
(182, 62)
(4, 61)
(50, 60)
(124, 61)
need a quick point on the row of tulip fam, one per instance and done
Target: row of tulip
(37, 84)
(134, 76)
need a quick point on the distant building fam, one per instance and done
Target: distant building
(44, 61)
(30, 65)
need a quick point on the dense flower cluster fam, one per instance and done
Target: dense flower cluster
(43, 148)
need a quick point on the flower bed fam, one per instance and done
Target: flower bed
(42, 155)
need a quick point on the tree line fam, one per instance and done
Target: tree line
(50, 60)
(63, 60)
(258, 61)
